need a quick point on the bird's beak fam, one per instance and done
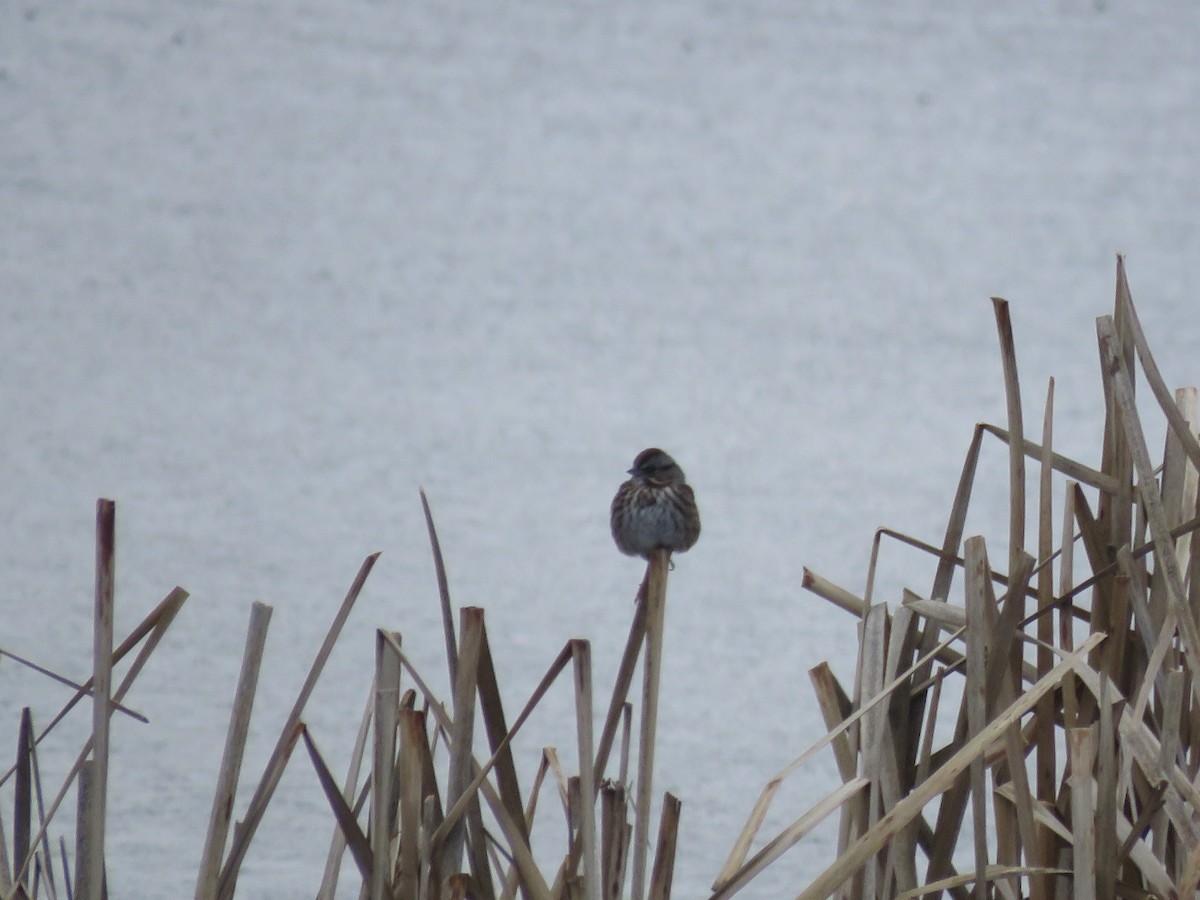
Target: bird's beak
(630, 471)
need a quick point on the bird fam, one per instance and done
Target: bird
(655, 509)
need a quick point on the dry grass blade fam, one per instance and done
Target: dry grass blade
(1044, 849)
(164, 615)
(788, 838)
(360, 849)
(617, 704)
(1154, 673)
(908, 808)
(741, 847)
(1147, 628)
(492, 707)
(1073, 469)
(167, 607)
(949, 559)
(337, 843)
(1014, 750)
(244, 831)
(1019, 566)
(539, 779)
(23, 789)
(1179, 484)
(955, 527)
(991, 874)
(439, 566)
(47, 856)
(522, 856)
(835, 707)
(1159, 527)
(979, 604)
(6, 882)
(287, 739)
(462, 733)
(1140, 744)
(518, 844)
(66, 863)
(1153, 377)
(231, 759)
(456, 811)
(1016, 428)
(81, 690)
(1005, 663)
(1190, 527)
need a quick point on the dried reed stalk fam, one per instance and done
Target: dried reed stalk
(235, 747)
(89, 868)
(656, 601)
(288, 736)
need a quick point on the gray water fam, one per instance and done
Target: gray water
(266, 268)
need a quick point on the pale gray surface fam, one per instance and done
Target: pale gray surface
(267, 267)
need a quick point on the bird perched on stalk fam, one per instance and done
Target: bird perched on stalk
(655, 509)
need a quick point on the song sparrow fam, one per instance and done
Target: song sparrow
(655, 509)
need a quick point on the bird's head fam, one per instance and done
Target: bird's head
(654, 466)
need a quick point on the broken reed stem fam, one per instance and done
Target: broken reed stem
(90, 868)
(235, 748)
(664, 858)
(581, 654)
(656, 601)
(978, 606)
(1044, 850)
(387, 702)
(286, 742)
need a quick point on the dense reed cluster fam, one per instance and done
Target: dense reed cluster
(421, 812)
(1072, 765)
(1025, 730)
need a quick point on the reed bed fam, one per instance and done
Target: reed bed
(1068, 766)
(1023, 730)
(430, 807)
